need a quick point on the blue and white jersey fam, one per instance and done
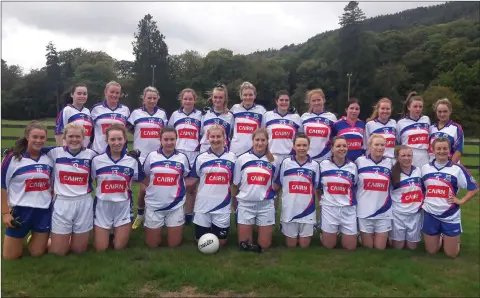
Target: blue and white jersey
(71, 114)
(216, 175)
(353, 133)
(407, 196)
(318, 127)
(373, 194)
(27, 181)
(103, 117)
(211, 118)
(71, 171)
(442, 183)
(298, 183)
(188, 129)
(254, 176)
(245, 122)
(281, 131)
(452, 131)
(114, 178)
(338, 183)
(166, 188)
(388, 130)
(413, 134)
(146, 129)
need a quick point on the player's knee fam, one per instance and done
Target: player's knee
(452, 253)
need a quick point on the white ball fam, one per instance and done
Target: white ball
(208, 243)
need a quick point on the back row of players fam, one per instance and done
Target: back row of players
(251, 148)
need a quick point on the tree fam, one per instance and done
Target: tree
(352, 15)
(54, 74)
(95, 75)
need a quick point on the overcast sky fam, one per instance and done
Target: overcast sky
(243, 27)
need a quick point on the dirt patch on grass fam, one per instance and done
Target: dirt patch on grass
(148, 290)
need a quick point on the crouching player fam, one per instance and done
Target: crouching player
(113, 172)
(298, 176)
(165, 170)
(214, 170)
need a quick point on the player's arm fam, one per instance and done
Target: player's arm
(458, 146)
(465, 180)
(6, 216)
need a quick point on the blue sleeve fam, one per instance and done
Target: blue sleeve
(278, 181)
(59, 125)
(5, 165)
(460, 140)
(141, 173)
(471, 182)
(193, 171)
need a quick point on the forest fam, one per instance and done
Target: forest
(433, 50)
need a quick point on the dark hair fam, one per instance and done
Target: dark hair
(412, 96)
(116, 126)
(67, 96)
(21, 144)
(439, 140)
(280, 93)
(168, 129)
(353, 100)
(396, 169)
(301, 136)
(335, 139)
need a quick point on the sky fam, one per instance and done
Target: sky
(242, 27)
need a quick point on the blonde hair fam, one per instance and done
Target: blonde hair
(440, 140)
(375, 136)
(116, 126)
(187, 90)
(150, 89)
(219, 88)
(308, 97)
(377, 106)
(218, 127)
(112, 83)
(247, 85)
(443, 101)
(71, 126)
(263, 131)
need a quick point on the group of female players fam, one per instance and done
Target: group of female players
(200, 166)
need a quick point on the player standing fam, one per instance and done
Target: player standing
(381, 123)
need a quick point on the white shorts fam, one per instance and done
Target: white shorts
(406, 227)
(296, 229)
(72, 215)
(260, 213)
(420, 157)
(206, 220)
(109, 214)
(343, 219)
(280, 157)
(170, 218)
(367, 225)
(191, 155)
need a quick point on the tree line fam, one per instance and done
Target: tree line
(434, 51)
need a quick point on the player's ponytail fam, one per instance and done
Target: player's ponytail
(411, 97)
(263, 131)
(21, 144)
(220, 88)
(396, 169)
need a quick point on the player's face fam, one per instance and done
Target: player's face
(216, 139)
(116, 141)
(74, 139)
(301, 147)
(405, 157)
(353, 111)
(283, 102)
(384, 111)
(317, 103)
(260, 143)
(188, 101)
(112, 94)
(377, 148)
(36, 139)
(168, 141)
(248, 97)
(80, 95)
(150, 99)
(415, 109)
(441, 151)
(218, 99)
(443, 113)
(340, 148)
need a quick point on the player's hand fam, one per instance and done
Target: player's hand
(7, 220)
(454, 200)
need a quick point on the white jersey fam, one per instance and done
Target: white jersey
(442, 183)
(188, 129)
(27, 181)
(70, 114)
(166, 190)
(388, 130)
(373, 194)
(254, 175)
(72, 171)
(281, 131)
(452, 131)
(413, 133)
(338, 183)
(216, 175)
(245, 122)
(318, 127)
(114, 178)
(298, 184)
(211, 118)
(146, 136)
(103, 117)
(407, 196)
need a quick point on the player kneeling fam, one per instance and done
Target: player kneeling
(214, 170)
(165, 170)
(113, 172)
(298, 177)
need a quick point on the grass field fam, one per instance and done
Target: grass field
(184, 272)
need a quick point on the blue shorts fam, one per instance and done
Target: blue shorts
(433, 226)
(32, 219)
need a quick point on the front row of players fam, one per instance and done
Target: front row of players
(379, 198)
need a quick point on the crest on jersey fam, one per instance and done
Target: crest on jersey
(177, 165)
(86, 163)
(229, 164)
(126, 171)
(445, 135)
(269, 166)
(448, 178)
(310, 174)
(255, 116)
(385, 171)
